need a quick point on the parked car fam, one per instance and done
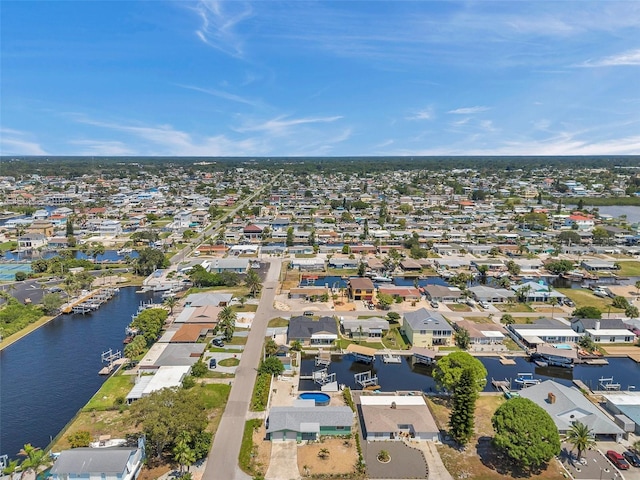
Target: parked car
(217, 342)
(617, 459)
(308, 314)
(598, 292)
(213, 363)
(433, 304)
(484, 304)
(569, 303)
(632, 458)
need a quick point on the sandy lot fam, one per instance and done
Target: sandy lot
(341, 459)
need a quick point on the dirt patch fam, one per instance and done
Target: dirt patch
(341, 457)
(262, 449)
(345, 307)
(281, 306)
(152, 473)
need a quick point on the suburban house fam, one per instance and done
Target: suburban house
(305, 421)
(425, 328)
(605, 330)
(32, 241)
(308, 331)
(566, 405)
(397, 417)
(165, 377)
(594, 265)
(482, 334)
(109, 228)
(361, 288)
(203, 299)
(365, 329)
(625, 406)
(544, 330)
(252, 232)
(119, 463)
(536, 292)
(397, 291)
(483, 293)
(441, 293)
(43, 227)
(343, 262)
(229, 264)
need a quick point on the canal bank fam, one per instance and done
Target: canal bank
(50, 374)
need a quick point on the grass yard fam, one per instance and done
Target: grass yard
(236, 341)
(343, 343)
(229, 362)
(216, 394)
(478, 460)
(515, 308)
(480, 320)
(458, 307)
(244, 308)
(105, 399)
(278, 322)
(629, 268)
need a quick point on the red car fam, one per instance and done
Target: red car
(617, 459)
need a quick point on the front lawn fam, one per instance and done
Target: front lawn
(629, 268)
(583, 297)
(515, 307)
(458, 307)
(278, 322)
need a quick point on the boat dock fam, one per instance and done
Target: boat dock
(388, 357)
(361, 353)
(113, 360)
(507, 361)
(366, 379)
(91, 301)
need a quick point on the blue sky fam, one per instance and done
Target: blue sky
(319, 78)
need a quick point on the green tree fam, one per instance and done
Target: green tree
(559, 266)
(253, 282)
(569, 237)
(183, 453)
(226, 322)
(81, 438)
(384, 300)
(171, 302)
(296, 345)
(167, 413)
(272, 366)
(34, 458)
(581, 437)
(507, 319)
(525, 433)
(587, 343)
(465, 394)
(270, 347)
(69, 226)
(21, 276)
(289, 241)
(587, 312)
(632, 311)
(150, 323)
(361, 269)
(513, 268)
(135, 347)
(620, 302)
(149, 260)
(51, 302)
(199, 369)
(393, 317)
(462, 338)
(450, 367)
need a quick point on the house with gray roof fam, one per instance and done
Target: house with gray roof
(309, 331)
(566, 405)
(119, 463)
(426, 328)
(544, 330)
(305, 421)
(483, 293)
(372, 328)
(203, 299)
(605, 330)
(442, 293)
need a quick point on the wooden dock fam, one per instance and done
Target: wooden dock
(507, 361)
(89, 302)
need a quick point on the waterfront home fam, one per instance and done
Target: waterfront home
(425, 328)
(397, 417)
(594, 265)
(309, 292)
(605, 330)
(625, 406)
(118, 463)
(536, 292)
(109, 228)
(31, 241)
(171, 354)
(397, 291)
(308, 331)
(43, 227)
(164, 377)
(544, 330)
(367, 329)
(305, 421)
(307, 264)
(201, 314)
(343, 262)
(229, 264)
(566, 405)
(361, 288)
(441, 293)
(482, 334)
(215, 299)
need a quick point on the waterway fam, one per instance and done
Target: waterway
(50, 374)
(410, 376)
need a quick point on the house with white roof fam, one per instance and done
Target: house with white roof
(605, 330)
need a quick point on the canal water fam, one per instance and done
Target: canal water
(410, 376)
(50, 374)
(107, 256)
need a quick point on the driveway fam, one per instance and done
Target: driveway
(594, 465)
(284, 461)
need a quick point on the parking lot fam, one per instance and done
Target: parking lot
(594, 465)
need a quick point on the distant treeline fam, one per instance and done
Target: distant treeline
(122, 166)
(604, 201)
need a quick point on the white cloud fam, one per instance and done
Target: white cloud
(281, 124)
(13, 142)
(425, 114)
(630, 57)
(218, 28)
(224, 95)
(469, 110)
(98, 147)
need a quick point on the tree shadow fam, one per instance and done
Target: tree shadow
(499, 462)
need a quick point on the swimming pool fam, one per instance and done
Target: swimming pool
(563, 346)
(321, 399)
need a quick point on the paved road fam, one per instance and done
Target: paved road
(223, 457)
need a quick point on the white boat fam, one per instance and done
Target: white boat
(124, 251)
(526, 380)
(378, 278)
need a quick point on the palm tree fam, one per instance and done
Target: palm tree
(581, 437)
(323, 453)
(170, 302)
(253, 282)
(227, 322)
(35, 458)
(553, 301)
(183, 453)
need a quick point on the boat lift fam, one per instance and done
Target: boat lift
(606, 384)
(321, 377)
(366, 379)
